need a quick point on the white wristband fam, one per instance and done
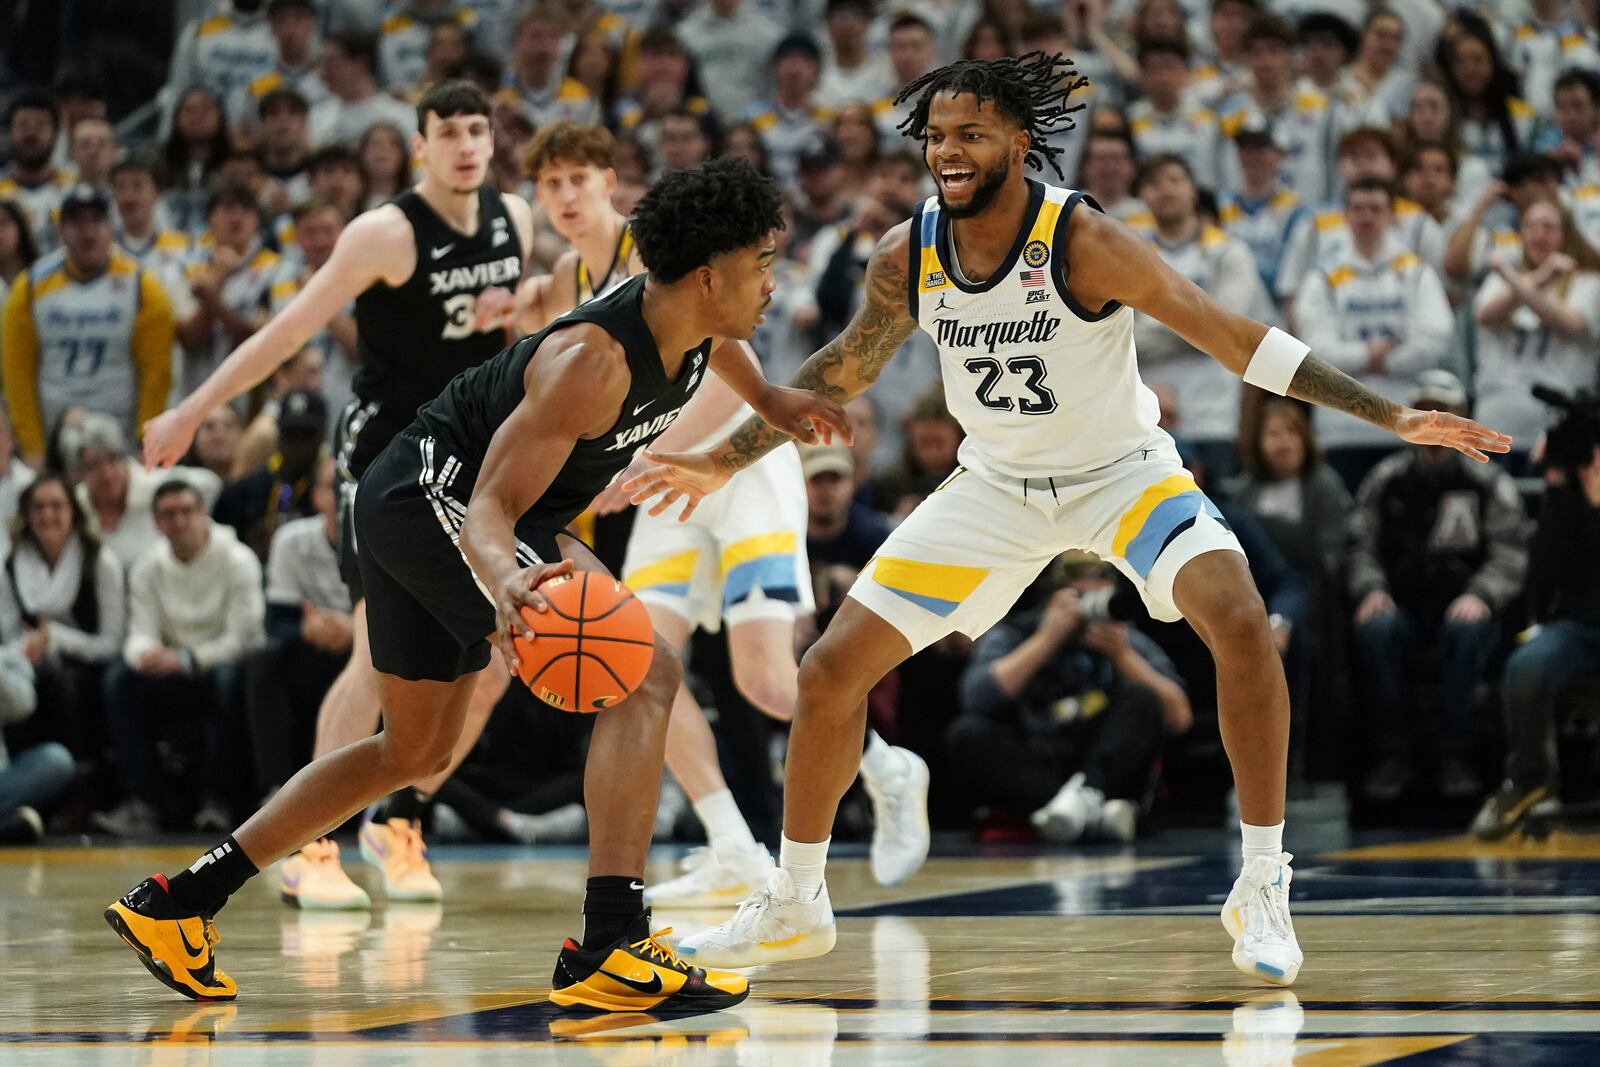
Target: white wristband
(1276, 359)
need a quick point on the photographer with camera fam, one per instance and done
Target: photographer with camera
(1064, 708)
(1564, 599)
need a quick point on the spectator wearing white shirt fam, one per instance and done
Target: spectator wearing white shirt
(535, 82)
(1222, 266)
(1378, 313)
(194, 151)
(1326, 45)
(231, 275)
(284, 149)
(732, 44)
(309, 629)
(1166, 121)
(1553, 38)
(403, 39)
(1431, 116)
(1302, 120)
(1575, 139)
(1496, 123)
(1538, 317)
(851, 73)
(194, 612)
(1377, 67)
(793, 118)
(1263, 212)
(1106, 173)
(32, 180)
(94, 152)
(349, 68)
(63, 608)
(223, 50)
(913, 50)
(294, 31)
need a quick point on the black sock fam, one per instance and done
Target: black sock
(206, 886)
(407, 804)
(610, 904)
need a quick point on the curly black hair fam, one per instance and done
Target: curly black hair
(1030, 90)
(691, 215)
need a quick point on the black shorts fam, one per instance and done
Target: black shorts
(427, 616)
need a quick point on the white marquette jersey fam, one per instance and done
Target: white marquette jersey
(1041, 385)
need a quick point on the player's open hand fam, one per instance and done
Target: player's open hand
(494, 308)
(810, 418)
(519, 590)
(167, 438)
(1450, 431)
(676, 476)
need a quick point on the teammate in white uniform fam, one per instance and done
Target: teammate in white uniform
(742, 558)
(1028, 291)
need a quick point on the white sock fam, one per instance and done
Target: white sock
(1261, 840)
(805, 862)
(726, 830)
(880, 760)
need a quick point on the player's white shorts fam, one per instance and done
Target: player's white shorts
(741, 555)
(964, 555)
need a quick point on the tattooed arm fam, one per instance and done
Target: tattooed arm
(1110, 262)
(842, 369)
(845, 367)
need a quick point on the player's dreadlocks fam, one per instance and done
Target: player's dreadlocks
(1031, 90)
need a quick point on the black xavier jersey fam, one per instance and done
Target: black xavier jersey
(415, 337)
(466, 415)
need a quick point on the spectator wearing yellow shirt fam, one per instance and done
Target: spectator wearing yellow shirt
(87, 327)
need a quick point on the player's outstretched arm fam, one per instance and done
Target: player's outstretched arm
(842, 369)
(1110, 262)
(371, 249)
(574, 387)
(805, 415)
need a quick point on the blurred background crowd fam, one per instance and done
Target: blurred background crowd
(1413, 187)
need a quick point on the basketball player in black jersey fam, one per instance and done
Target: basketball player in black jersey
(461, 519)
(432, 275)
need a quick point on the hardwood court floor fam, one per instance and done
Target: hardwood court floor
(1425, 952)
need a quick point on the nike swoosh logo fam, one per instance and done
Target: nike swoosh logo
(647, 988)
(641, 407)
(445, 251)
(197, 953)
(635, 885)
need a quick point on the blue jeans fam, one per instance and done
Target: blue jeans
(1382, 644)
(1560, 655)
(142, 709)
(34, 777)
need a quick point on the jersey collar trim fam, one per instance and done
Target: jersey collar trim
(946, 250)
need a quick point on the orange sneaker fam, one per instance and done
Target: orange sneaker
(314, 880)
(395, 847)
(174, 945)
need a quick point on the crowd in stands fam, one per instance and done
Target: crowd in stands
(1412, 187)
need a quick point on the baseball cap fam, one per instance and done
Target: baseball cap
(826, 459)
(84, 195)
(302, 409)
(819, 151)
(1439, 389)
(798, 42)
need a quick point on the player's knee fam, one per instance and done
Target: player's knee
(411, 759)
(1237, 625)
(828, 668)
(762, 688)
(666, 672)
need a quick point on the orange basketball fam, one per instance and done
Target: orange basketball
(591, 649)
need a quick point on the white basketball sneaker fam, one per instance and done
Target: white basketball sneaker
(771, 926)
(713, 879)
(1070, 813)
(1256, 915)
(900, 835)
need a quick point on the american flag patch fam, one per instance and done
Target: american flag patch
(1032, 279)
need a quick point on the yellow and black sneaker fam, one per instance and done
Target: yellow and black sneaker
(639, 973)
(173, 945)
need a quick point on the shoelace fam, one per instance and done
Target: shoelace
(321, 851)
(1266, 910)
(653, 948)
(213, 938)
(751, 909)
(408, 844)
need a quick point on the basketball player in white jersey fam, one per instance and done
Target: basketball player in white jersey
(742, 559)
(1029, 292)
(432, 275)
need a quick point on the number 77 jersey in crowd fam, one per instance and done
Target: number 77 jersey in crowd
(1042, 385)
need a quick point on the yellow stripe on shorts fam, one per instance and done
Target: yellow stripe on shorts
(1134, 518)
(674, 570)
(939, 587)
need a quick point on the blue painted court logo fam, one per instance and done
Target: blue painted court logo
(1034, 253)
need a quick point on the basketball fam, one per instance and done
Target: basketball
(591, 649)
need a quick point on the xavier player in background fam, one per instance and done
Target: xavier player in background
(431, 274)
(1029, 292)
(458, 522)
(741, 559)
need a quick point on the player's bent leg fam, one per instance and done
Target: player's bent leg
(764, 667)
(175, 941)
(783, 922)
(622, 781)
(1216, 593)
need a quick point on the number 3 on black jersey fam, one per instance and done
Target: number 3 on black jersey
(1042, 402)
(459, 312)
